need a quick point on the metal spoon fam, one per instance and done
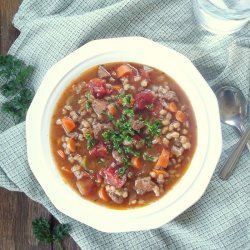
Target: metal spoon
(233, 111)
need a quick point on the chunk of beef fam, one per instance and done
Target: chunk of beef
(99, 106)
(115, 197)
(144, 185)
(137, 125)
(102, 72)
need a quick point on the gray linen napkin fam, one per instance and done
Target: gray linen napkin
(52, 29)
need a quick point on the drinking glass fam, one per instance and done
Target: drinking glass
(222, 16)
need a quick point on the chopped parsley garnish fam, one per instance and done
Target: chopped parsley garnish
(88, 95)
(154, 128)
(126, 100)
(147, 157)
(87, 104)
(114, 138)
(129, 111)
(123, 169)
(110, 117)
(90, 141)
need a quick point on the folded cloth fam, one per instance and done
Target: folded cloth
(52, 29)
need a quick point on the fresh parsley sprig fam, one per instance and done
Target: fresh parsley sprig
(13, 85)
(46, 234)
(90, 141)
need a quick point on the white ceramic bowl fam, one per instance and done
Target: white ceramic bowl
(191, 186)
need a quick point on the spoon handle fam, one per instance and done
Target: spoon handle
(241, 130)
(235, 155)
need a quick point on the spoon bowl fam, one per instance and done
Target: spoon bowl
(233, 111)
(233, 106)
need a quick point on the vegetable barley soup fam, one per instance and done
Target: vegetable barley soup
(123, 134)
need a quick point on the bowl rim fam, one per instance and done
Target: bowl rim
(34, 129)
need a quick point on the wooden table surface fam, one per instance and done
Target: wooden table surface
(16, 210)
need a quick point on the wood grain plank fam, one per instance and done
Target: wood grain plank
(16, 214)
(17, 211)
(8, 33)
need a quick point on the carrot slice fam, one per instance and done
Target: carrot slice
(163, 159)
(71, 145)
(180, 116)
(103, 194)
(123, 70)
(172, 107)
(61, 154)
(117, 87)
(157, 171)
(136, 163)
(68, 124)
(112, 109)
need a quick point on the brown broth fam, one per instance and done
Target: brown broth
(56, 132)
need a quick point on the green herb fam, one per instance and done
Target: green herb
(129, 111)
(154, 128)
(90, 141)
(19, 96)
(88, 95)
(130, 151)
(122, 170)
(46, 234)
(110, 117)
(150, 106)
(114, 139)
(126, 100)
(141, 142)
(147, 157)
(87, 104)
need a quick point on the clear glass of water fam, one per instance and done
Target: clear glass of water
(222, 16)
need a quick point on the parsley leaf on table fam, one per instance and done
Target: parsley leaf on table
(44, 233)
(14, 75)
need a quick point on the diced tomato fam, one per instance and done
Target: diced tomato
(99, 150)
(157, 107)
(85, 186)
(99, 178)
(143, 98)
(136, 139)
(98, 87)
(113, 178)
